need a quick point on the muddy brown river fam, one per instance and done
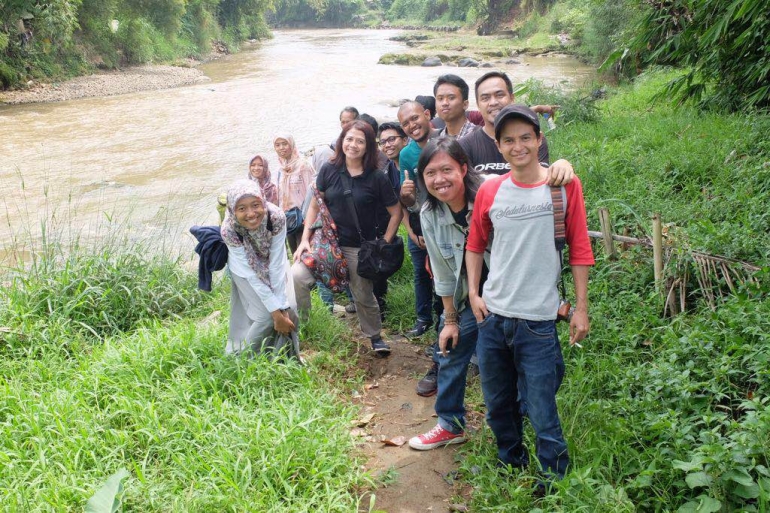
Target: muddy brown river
(152, 163)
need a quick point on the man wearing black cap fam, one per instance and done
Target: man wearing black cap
(517, 341)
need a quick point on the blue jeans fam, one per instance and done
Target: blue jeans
(423, 285)
(509, 349)
(452, 373)
(327, 296)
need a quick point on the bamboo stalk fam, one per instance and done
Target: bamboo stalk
(671, 298)
(747, 266)
(606, 223)
(657, 250)
(620, 238)
(726, 274)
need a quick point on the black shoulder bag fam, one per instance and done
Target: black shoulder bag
(377, 258)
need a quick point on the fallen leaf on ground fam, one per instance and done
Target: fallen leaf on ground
(372, 385)
(396, 441)
(458, 507)
(213, 316)
(363, 421)
(357, 432)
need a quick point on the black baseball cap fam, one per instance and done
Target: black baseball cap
(516, 111)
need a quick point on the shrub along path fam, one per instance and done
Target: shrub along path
(408, 480)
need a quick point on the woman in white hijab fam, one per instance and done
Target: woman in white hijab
(255, 233)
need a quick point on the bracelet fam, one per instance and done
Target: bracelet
(451, 316)
(450, 323)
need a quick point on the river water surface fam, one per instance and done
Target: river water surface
(152, 163)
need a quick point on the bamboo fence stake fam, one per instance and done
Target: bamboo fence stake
(606, 223)
(657, 250)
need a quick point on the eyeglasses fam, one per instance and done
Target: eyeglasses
(389, 140)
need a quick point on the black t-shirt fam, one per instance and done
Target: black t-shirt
(485, 156)
(394, 178)
(461, 219)
(371, 191)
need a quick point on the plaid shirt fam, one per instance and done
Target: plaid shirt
(467, 128)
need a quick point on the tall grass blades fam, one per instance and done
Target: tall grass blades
(95, 295)
(196, 430)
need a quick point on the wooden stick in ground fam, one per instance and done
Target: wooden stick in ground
(620, 238)
(683, 290)
(657, 250)
(606, 223)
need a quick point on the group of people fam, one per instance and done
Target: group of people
(486, 218)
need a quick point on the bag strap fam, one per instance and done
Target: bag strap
(559, 230)
(347, 191)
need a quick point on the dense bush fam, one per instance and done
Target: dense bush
(93, 295)
(609, 24)
(64, 33)
(723, 45)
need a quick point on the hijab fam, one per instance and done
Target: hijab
(294, 162)
(256, 243)
(293, 168)
(268, 187)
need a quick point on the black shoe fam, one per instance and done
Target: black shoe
(428, 385)
(380, 347)
(420, 328)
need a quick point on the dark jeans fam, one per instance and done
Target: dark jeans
(423, 285)
(508, 349)
(293, 241)
(380, 289)
(452, 373)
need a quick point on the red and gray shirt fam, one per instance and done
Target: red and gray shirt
(524, 265)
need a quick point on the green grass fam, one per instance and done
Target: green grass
(110, 363)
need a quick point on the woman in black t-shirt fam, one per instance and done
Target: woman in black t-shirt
(355, 158)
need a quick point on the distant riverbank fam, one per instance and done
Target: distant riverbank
(467, 49)
(107, 83)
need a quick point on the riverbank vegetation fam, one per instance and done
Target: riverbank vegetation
(45, 40)
(112, 360)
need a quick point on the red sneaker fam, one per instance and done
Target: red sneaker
(436, 437)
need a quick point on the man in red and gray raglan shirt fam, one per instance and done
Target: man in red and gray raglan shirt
(517, 316)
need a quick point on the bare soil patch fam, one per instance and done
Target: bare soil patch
(410, 480)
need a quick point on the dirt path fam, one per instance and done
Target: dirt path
(411, 481)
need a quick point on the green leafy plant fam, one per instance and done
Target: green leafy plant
(720, 44)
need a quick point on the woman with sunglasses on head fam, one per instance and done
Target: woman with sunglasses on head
(354, 160)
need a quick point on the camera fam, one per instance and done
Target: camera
(564, 313)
